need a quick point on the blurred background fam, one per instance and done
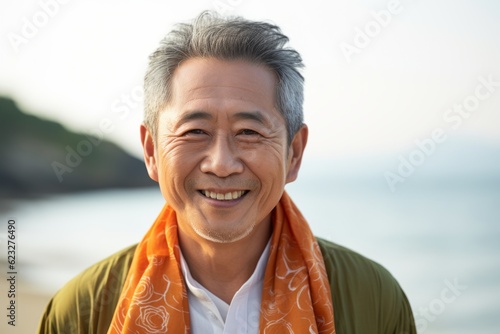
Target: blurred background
(402, 164)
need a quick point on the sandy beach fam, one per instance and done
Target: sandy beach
(30, 304)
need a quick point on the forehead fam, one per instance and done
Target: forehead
(223, 82)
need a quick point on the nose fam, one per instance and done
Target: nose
(223, 158)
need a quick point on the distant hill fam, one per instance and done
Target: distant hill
(42, 157)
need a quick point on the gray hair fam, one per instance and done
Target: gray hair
(228, 38)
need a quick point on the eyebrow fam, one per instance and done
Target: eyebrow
(192, 116)
(251, 115)
(195, 115)
(256, 116)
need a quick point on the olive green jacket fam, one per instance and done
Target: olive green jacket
(366, 298)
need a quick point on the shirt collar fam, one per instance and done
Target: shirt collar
(256, 277)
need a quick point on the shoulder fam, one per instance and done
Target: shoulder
(366, 297)
(343, 262)
(86, 303)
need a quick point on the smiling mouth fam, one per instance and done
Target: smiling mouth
(229, 196)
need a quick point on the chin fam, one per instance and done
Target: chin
(223, 236)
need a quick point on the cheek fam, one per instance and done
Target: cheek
(175, 169)
(268, 164)
(177, 157)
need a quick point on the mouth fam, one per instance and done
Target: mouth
(226, 196)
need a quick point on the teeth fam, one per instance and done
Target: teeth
(223, 197)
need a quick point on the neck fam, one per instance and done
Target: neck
(223, 268)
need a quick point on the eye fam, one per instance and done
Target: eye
(248, 132)
(194, 132)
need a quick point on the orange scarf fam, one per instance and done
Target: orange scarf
(296, 296)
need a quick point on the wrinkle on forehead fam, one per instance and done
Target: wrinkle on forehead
(259, 81)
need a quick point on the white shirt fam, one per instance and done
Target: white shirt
(211, 315)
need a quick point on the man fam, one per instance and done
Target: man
(230, 252)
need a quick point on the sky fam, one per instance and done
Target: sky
(380, 75)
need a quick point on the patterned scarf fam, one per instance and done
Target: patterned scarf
(296, 296)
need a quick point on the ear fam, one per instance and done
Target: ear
(148, 147)
(296, 152)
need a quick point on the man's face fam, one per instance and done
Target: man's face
(221, 156)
